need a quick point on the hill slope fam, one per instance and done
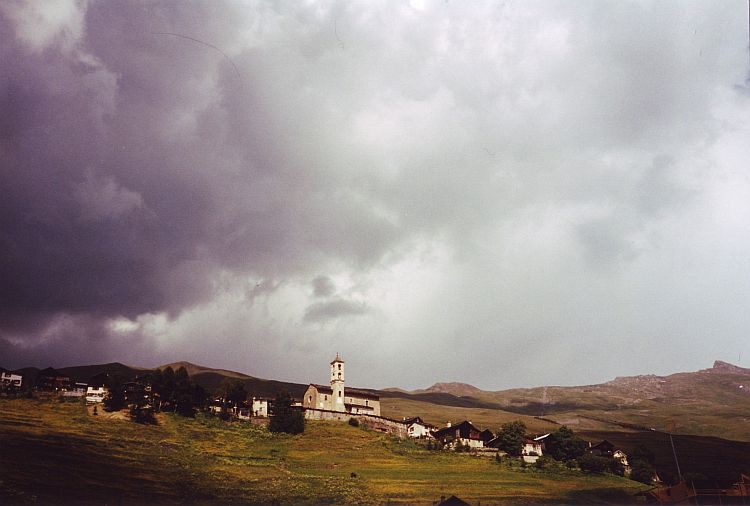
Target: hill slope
(88, 459)
(713, 402)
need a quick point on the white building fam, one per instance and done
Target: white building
(417, 428)
(260, 407)
(532, 449)
(8, 379)
(336, 398)
(96, 394)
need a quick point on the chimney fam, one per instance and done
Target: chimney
(448, 424)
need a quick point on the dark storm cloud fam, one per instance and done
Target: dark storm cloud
(503, 175)
(136, 165)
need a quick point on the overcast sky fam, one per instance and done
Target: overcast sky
(506, 193)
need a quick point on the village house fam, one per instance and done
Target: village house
(486, 436)
(336, 398)
(464, 433)
(259, 407)
(607, 449)
(532, 449)
(97, 390)
(52, 381)
(77, 389)
(9, 379)
(417, 428)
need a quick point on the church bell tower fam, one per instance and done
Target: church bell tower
(337, 383)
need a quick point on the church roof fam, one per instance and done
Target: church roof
(337, 359)
(348, 392)
(322, 388)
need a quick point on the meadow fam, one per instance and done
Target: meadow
(57, 453)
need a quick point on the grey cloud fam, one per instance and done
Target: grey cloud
(333, 309)
(323, 286)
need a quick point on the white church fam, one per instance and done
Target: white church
(337, 398)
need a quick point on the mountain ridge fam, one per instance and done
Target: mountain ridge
(714, 401)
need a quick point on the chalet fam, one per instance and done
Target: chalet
(216, 406)
(76, 389)
(451, 501)
(417, 428)
(134, 392)
(602, 449)
(464, 433)
(336, 398)
(9, 379)
(607, 449)
(486, 436)
(97, 389)
(531, 450)
(259, 407)
(51, 380)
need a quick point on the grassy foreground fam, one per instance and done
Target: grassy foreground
(54, 452)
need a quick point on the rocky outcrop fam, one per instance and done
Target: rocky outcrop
(727, 368)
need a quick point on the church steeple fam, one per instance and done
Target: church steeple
(337, 383)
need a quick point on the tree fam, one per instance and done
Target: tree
(564, 445)
(233, 392)
(642, 462)
(642, 471)
(511, 437)
(593, 464)
(642, 453)
(115, 398)
(285, 417)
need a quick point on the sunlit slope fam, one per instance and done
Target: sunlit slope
(55, 453)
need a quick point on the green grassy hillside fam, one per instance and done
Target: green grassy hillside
(55, 452)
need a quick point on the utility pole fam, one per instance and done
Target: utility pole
(670, 429)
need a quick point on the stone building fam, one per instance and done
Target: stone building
(336, 398)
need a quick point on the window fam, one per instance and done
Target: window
(339, 394)
(325, 398)
(339, 375)
(309, 398)
(339, 367)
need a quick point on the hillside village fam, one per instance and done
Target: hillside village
(165, 390)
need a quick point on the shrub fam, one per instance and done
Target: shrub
(544, 462)
(642, 471)
(142, 415)
(593, 464)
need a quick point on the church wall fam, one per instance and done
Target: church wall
(370, 421)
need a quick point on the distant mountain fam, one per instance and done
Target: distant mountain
(713, 401)
(455, 388)
(193, 369)
(82, 373)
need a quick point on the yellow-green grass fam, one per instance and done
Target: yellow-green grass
(397, 408)
(53, 452)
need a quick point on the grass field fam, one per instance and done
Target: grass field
(397, 408)
(53, 452)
